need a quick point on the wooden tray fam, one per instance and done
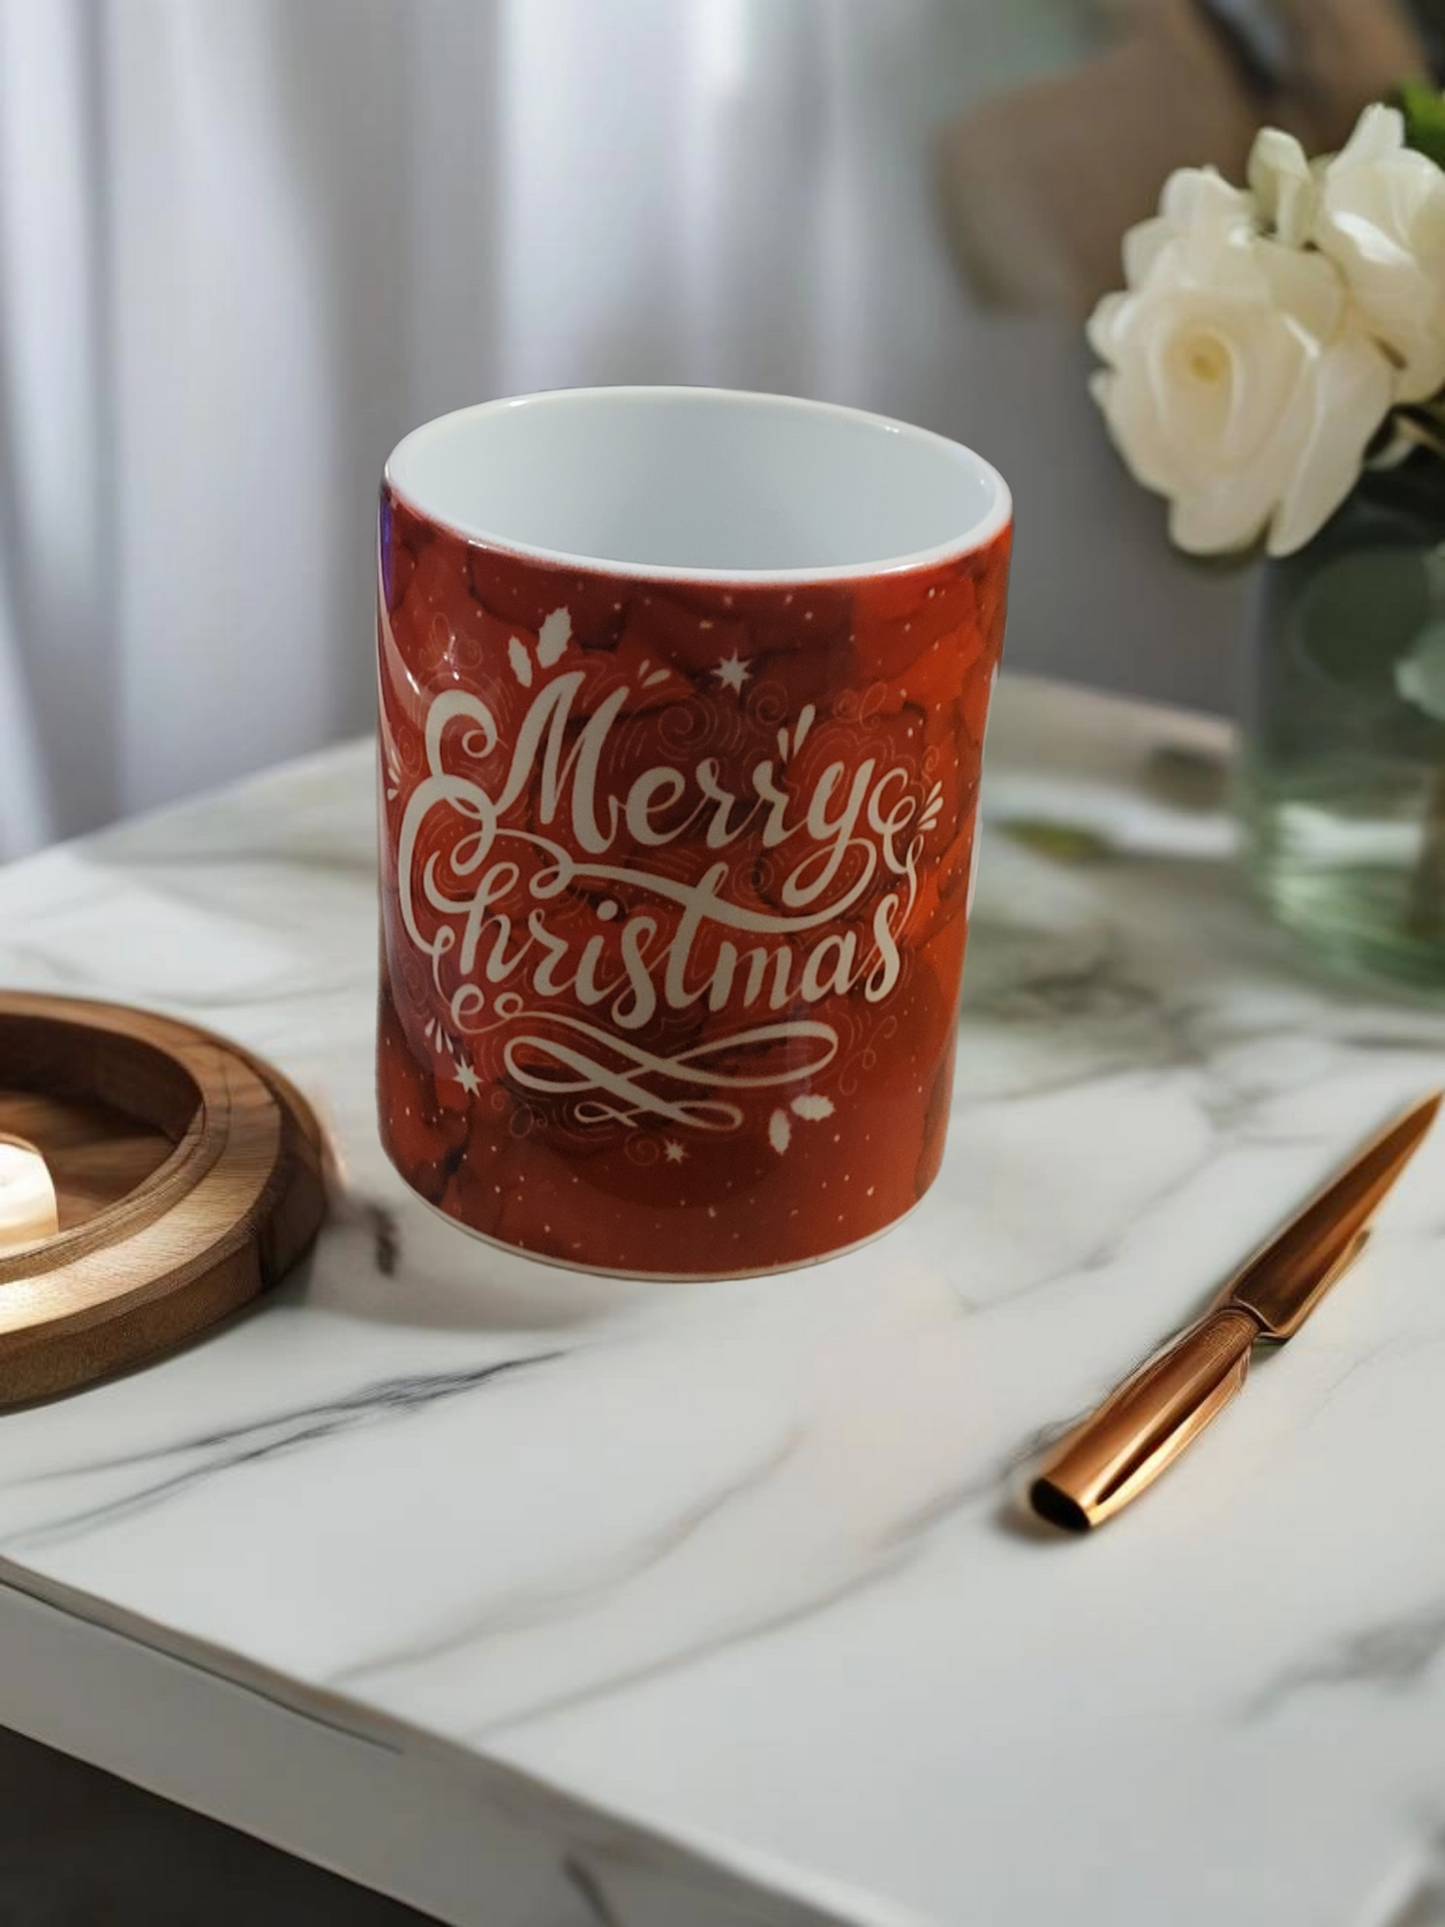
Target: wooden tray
(188, 1175)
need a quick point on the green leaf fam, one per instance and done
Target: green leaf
(1423, 106)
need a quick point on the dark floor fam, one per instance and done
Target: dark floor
(80, 1849)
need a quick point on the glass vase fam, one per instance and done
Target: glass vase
(1341, 773)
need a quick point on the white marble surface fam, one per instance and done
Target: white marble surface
(734, 1565)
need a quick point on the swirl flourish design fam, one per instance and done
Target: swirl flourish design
(587, 1059)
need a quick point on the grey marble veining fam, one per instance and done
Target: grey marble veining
(737, 1564)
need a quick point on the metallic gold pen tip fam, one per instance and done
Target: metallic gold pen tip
(1411, 1127)
(1056, 1508)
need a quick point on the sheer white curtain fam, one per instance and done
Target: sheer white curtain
(245, 244)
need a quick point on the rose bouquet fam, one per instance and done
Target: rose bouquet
(1278, 350)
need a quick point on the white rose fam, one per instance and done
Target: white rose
(1193, 198)
(1382, 218)
(1239, 384)
(1284, 185)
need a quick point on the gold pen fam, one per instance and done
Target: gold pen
(1143, 1427)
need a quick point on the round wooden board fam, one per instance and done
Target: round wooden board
(189, 1178)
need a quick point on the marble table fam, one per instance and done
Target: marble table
(537, 1598)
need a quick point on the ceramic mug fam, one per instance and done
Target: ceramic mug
(682, 701)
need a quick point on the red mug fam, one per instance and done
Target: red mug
(682, 702)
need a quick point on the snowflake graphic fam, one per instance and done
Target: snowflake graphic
(732, 672)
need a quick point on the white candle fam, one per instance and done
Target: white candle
(28, 1207)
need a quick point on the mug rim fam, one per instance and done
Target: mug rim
(996, 519)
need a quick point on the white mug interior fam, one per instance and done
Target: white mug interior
(700, 483)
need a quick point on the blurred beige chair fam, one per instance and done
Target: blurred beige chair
(1037, 187)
